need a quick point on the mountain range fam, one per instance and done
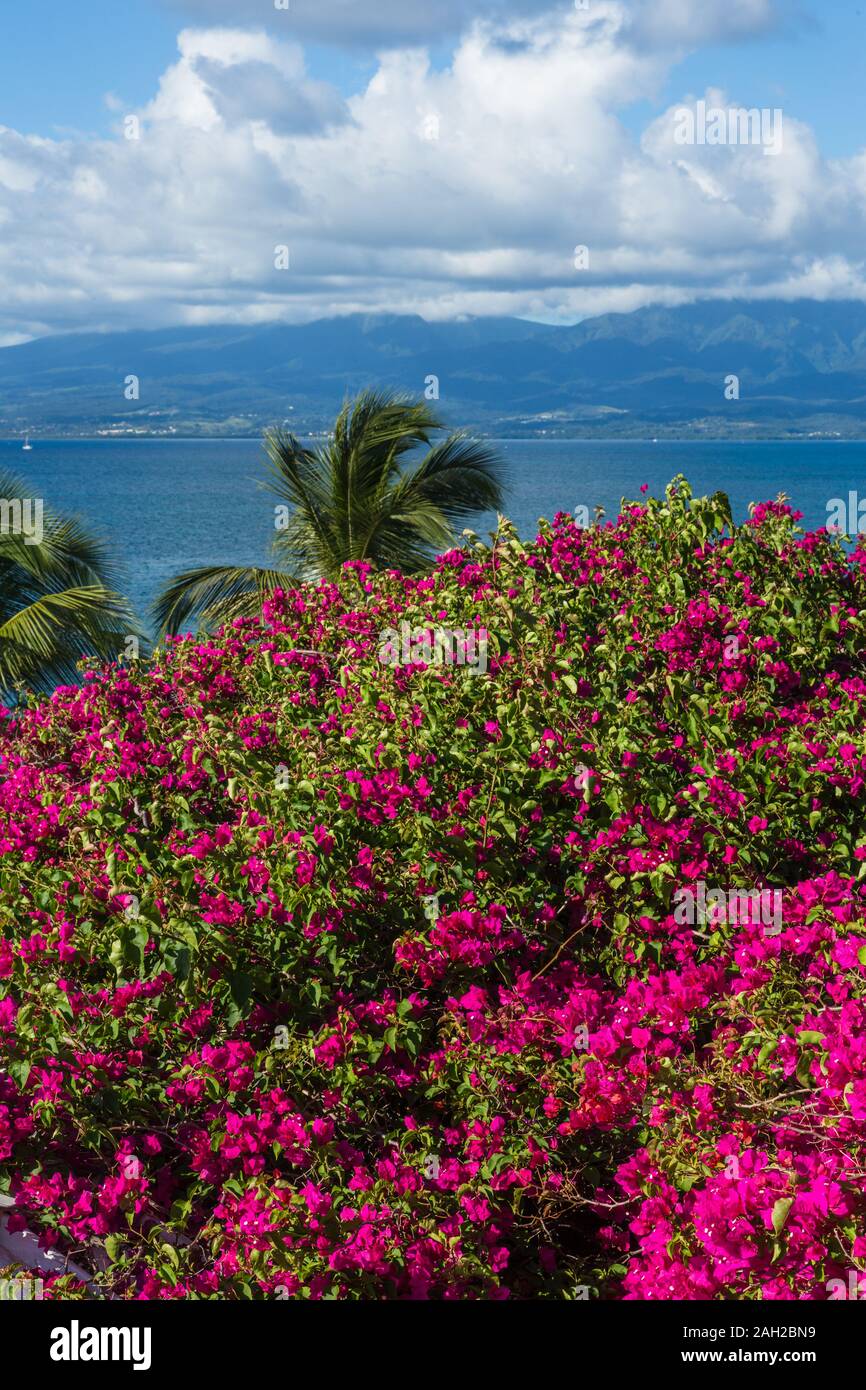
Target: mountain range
(800, 369)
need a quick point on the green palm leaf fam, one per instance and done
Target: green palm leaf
(213, 595)
(359, 496)
(57, 601)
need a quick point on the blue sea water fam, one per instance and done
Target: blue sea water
(169, 505)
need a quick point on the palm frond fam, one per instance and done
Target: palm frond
(58, 600)
(52, 633)
(214, 595)
(358, 496)
(461, 475)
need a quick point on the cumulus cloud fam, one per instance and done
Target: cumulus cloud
(254, 193)
(236, 77)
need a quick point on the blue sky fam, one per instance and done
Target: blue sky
(441, 157)
(58, 65)
(812, 68)
(57, 62)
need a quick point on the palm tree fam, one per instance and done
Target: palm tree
(357, 497)
(56, 601)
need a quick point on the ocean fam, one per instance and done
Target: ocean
(169, 505)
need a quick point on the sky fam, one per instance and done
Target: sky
(245, 161)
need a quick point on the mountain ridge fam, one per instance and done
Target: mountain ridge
(800, 365)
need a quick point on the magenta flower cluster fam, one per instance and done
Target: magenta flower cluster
(324, 978)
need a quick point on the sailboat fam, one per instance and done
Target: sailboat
(27, 446)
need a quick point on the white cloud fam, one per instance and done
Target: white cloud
(233, 77)
(436, 191)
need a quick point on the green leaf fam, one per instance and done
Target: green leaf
(240, 989)
(19, 1071)
(113, 1247)
(780, 1213)
(767, 1050)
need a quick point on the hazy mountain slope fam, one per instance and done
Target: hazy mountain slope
(801, 366)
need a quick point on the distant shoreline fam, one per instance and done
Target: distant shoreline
(544, 438)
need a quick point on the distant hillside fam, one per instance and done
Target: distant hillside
(801, 369)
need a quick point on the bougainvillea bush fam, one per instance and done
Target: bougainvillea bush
(322, 977)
